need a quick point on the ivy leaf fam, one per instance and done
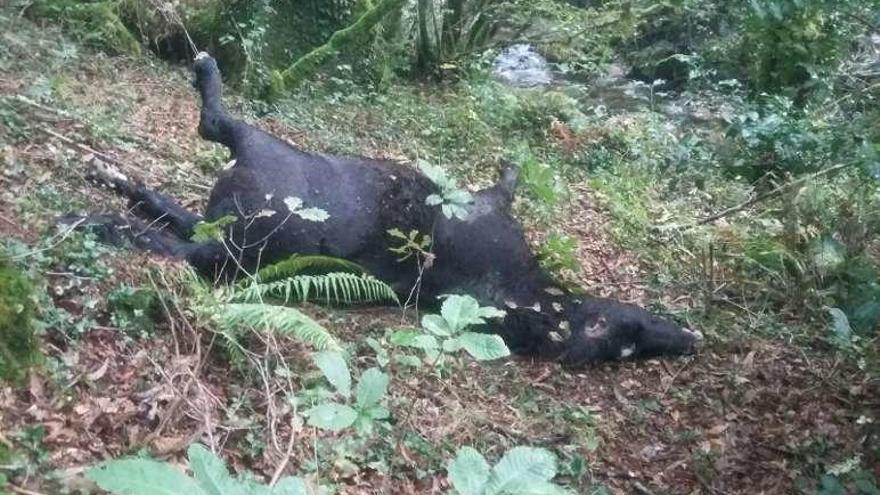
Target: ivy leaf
(143, 477)
(371, 388)
(335, 369)
(468, 472)
(483, 346)
(331, 416)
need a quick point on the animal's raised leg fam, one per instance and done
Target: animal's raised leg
(147, 203)
(214, 124)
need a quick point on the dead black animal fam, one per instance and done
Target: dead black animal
(484, 255)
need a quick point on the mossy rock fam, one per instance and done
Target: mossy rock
(19, 348)
(658, 62)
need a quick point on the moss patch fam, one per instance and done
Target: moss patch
(18, 343)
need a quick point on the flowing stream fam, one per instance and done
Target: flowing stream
(611, 93)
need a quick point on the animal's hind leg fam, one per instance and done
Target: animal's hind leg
(125, 231)
(208, 258)
(146, 203)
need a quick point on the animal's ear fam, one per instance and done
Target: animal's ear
(508, 179)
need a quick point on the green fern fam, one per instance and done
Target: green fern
(332, 288)
(281, 320)
(299, 264)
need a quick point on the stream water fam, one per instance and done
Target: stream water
(611, 93)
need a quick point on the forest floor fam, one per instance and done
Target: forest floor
(746, 415)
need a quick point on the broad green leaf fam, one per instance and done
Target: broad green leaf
(433, 200)
(371, 388)
(459, 196)
(483, 346)
(408, 360)
(415, 339)
(211, 473)
(519, 466)
(381, 352)
(451, 345)
(377, 412)
(335, 369)
(468, 472)
(460, 312)
(540, 488)
(143, 477)
(291, 485)
(331, 416)
(437, 325)
(404, 337)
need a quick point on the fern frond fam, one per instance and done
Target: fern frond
(281, 320)
(332, 288)
(298, 264)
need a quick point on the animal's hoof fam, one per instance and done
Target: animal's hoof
(699, 339)
(106, 174)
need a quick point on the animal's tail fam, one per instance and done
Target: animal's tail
(508, 179)
(214, 125)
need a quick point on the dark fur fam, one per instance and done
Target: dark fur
(485, 255)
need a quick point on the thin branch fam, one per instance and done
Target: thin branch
(769, 194)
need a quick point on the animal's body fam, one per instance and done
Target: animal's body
(484, 255)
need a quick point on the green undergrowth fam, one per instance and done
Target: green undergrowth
(19, 347)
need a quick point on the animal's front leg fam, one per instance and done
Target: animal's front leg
(153, 206)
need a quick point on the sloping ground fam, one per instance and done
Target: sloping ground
(750, 417)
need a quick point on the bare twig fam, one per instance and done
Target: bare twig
(768, 194)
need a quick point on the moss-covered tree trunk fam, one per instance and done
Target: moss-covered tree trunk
(309, 63)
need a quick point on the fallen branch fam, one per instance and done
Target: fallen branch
(773, 192)
(81, 147)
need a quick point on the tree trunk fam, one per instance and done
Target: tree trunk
(309, 63)
(424, 50)
(452, 27)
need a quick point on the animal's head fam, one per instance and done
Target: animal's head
(603, 330)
